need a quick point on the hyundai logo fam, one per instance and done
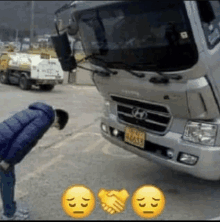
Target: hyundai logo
(139, 113)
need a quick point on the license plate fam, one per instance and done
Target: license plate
(135, 137)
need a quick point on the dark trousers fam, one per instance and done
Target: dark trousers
(7, 188)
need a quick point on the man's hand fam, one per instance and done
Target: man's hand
(4, 166)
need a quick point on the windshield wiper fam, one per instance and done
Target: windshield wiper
(108, 71)
(166, 77)
(128, 69)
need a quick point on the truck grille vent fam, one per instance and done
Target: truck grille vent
(157, 119)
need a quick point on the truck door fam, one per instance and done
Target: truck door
(50, 72)
(47, 70)
(56, 69)
(209, 26)
(42, 67)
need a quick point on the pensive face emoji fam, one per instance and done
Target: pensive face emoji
(78, 201)
(148, 201)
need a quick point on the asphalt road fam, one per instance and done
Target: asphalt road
(79, 155)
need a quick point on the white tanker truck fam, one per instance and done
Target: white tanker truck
(26, 70)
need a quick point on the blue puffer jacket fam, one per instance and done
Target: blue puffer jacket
(21, 132)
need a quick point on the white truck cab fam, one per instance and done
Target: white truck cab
(156, 63)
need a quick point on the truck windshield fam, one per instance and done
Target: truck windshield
(142, 34)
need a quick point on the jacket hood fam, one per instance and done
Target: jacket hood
(47, 109)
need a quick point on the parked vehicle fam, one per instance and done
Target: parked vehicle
(26, 70)
(160, 81)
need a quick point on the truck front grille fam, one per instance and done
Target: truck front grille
(157, 119)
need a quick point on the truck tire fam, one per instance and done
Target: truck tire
(4, 78)
(46, 87)
(24, 83)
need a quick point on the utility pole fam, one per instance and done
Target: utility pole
(16, 39)
(32, 24)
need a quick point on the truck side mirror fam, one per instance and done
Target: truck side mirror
(206, 11)
(73, 28)
(62, 48)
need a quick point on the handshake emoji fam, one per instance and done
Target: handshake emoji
(113, 201)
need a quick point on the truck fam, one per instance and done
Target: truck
(156, 64)
(25, 70)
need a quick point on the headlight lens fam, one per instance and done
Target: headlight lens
(200, 133)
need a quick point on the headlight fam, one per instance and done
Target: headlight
(200, 133)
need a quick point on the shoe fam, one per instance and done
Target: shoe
(23, 210)
(18, 215)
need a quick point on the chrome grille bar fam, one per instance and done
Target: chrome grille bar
(149, 111)
(146, 120)
(158, 116)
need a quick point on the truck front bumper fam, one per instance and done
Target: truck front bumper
(207, 166)
(45, 82)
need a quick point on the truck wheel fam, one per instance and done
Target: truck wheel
(4, 78)
(24, 83)
(46, 87)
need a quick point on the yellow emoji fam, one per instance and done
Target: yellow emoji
(148, 201)
(78, 201)
(113, 201)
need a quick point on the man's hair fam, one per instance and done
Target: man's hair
(62, 118)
